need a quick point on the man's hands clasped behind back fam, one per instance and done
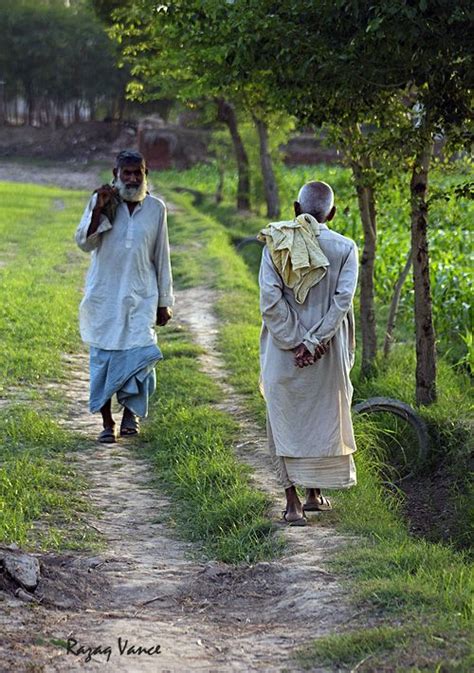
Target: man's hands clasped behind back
(303, 357)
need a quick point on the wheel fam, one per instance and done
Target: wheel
(400, 456)
(249, 241)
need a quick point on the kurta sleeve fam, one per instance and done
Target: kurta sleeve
(279, 317)
(341, 304)
(162, 263)
(89, 243)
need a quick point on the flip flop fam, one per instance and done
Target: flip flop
(302, 521)
(324, 505)
(129, 426)
(107, 436)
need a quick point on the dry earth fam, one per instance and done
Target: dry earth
(61, 176)
(147, 588)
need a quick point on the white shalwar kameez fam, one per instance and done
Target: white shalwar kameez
(309, 409)
(128, 279)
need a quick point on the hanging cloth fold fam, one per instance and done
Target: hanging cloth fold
(296, 253)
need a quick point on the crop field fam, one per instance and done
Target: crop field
(450, 238)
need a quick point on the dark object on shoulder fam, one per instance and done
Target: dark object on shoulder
(110, 208)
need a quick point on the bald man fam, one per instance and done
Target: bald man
(307, 351)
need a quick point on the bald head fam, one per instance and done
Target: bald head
(317, 199)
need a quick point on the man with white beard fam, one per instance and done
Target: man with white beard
(128, 291)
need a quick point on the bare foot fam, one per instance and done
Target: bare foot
(293, 513)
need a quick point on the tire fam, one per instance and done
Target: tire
(404, 411)
(248, 241)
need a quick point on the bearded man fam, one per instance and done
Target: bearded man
(308, 278)
(128, 291)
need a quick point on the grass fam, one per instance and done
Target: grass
(41, 274)
(450, 229)
(423, 589)
(189, 442)
(391, 649)
(190, 445)
(40, 493)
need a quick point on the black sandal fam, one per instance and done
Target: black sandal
(107, 436)
(130, 425)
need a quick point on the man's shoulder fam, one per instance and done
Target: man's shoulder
(339, 240)
(155, 202)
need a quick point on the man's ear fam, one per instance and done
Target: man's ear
(332, 212)
(146, 171)
(298, 208)
(115, 172)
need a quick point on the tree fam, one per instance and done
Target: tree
(390, 74)
(193, 69)
(421, 51)
(264, 33)
(226, 114)
(348, 62)
(163, 65)
(53, 55)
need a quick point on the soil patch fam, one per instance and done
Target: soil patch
(65, 177)
(79, 143)
(431, 510)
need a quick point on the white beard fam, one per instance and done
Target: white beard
(133, 194)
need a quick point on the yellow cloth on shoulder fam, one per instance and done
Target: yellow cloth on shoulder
(296, 253)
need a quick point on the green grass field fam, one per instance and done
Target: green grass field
(41, 276)
(413, 596)
(42, 273)
(450, 238)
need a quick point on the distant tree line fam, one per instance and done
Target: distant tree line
(58, 64)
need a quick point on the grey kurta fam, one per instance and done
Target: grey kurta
(309, 408)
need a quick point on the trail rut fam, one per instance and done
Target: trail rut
(147, 588)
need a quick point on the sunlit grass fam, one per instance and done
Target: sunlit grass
(413, 647)
(41, 274)
(190, 444)
(37, 484)
(424, 588)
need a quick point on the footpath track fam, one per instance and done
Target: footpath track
(146, 589)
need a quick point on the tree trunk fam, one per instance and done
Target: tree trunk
(220, 183)
(269, 182)
(366, 200)
(77, 112)
(425, 336)
(30, 106)
(392, 315)
(121, 108)
(2, 103)
(226, 114)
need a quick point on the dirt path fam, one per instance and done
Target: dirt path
(87, 177)
(146, 589)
